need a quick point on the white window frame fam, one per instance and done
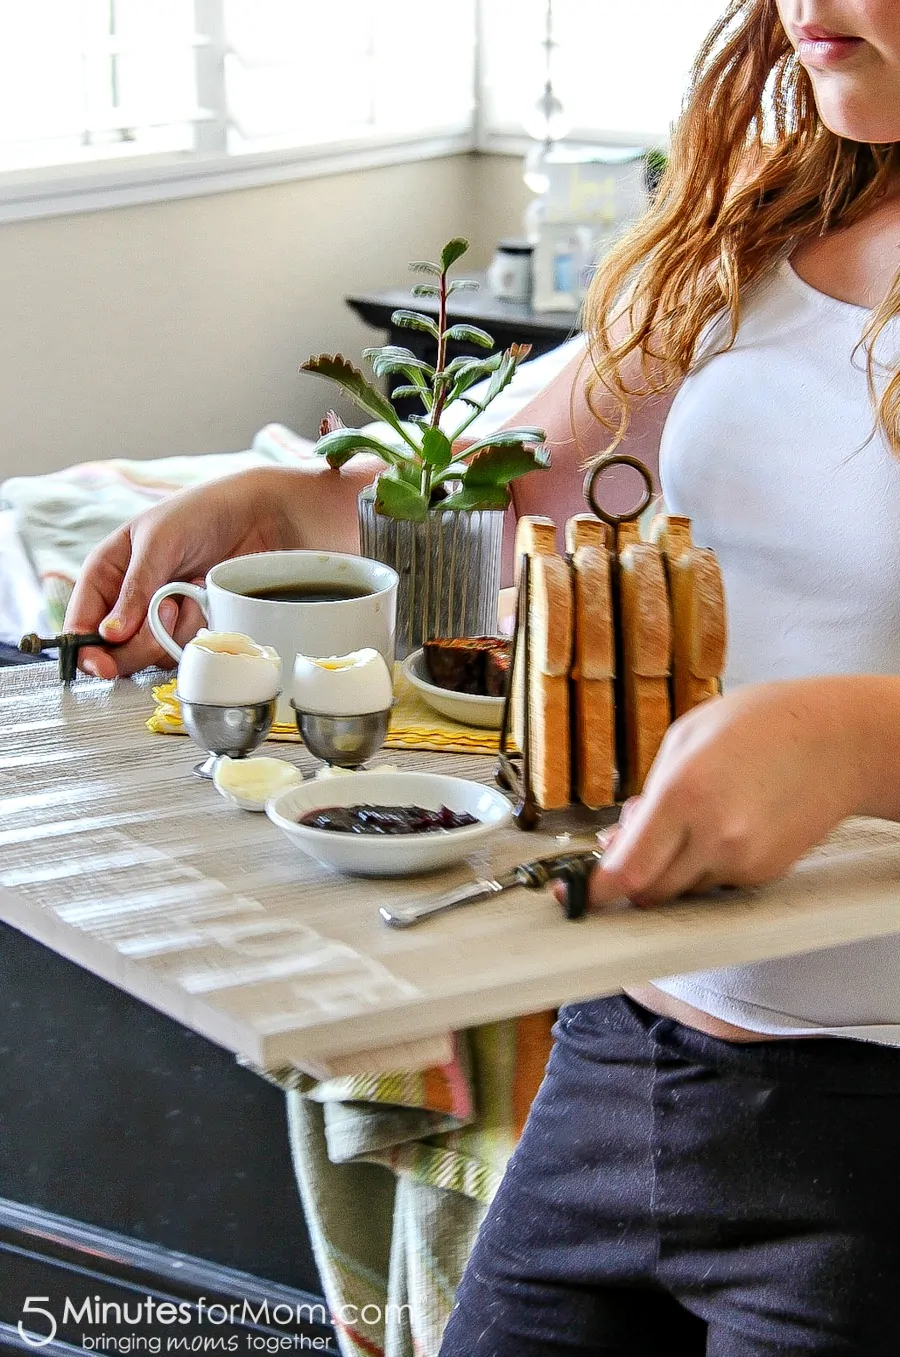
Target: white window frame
(98, 185)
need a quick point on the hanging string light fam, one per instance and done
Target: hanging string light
(547, 121)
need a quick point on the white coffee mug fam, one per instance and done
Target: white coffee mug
(509, 277)
(308, 628)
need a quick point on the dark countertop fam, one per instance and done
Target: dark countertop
(481, 308)
(159, 1135)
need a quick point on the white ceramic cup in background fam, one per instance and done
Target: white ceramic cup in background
(509, 277)
(327, 628)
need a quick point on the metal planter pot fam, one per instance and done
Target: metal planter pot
(449, 568)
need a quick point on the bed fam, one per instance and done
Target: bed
(49, 524)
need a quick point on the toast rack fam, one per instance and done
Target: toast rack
(515, 775)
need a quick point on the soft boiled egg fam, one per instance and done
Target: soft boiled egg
(227, 669)
(342, 685)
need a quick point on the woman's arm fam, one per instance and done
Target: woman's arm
(575, 435)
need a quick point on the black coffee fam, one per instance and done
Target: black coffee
(316, 591)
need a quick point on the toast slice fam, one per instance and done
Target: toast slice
(646, 630)
(545, 688)
(593, 674)
(698, 613)
(535, 536)
(585, 530)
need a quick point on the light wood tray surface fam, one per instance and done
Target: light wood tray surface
(116, 857)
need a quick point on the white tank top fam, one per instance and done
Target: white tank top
(765, 449)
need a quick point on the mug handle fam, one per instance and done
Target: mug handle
(168, 643)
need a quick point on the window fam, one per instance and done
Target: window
(96, 79)
(147, 82)
(116, 101)
(620, 67)
(318, 71)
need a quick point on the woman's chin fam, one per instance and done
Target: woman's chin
(857, 116)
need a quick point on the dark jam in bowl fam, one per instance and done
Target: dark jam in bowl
(386, 819)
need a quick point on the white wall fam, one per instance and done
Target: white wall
(178, 327)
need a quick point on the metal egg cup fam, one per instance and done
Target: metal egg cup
(234, 730)
(344, 741)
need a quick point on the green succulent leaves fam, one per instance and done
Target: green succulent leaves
(470, 334)
(422, 461)
(485, 482)
(437, 450)
(397, 499)
(351, 380)
(453, 250)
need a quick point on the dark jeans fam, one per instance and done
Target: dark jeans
(674, 1194)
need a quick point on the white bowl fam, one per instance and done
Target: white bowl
(390, 854)
(471, 709)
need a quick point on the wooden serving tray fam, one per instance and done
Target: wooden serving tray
(116, 857)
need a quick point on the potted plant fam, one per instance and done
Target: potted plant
(435, 513)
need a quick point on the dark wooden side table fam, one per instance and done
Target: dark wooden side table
(508, 322)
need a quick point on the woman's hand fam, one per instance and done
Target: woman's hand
(268, 509)
(180, 538)
(741, 788)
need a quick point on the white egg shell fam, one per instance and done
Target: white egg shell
(342, 685)
(225, 669)
(330, 770)
(249, 783)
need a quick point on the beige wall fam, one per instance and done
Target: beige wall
(178, 327)
(499, 199)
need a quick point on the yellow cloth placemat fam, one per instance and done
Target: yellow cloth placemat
(413, 724)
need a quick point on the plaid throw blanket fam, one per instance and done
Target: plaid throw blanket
(396, 1172)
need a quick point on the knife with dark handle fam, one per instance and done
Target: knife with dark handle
(573, 869)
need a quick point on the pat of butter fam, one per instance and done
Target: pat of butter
(250, 783)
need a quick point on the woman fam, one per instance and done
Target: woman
(709, 1164)
(698, 1174)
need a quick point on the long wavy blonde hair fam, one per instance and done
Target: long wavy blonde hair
(752, 171)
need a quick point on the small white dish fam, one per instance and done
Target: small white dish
(270, 775)
(470, 709)
(390, 854)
